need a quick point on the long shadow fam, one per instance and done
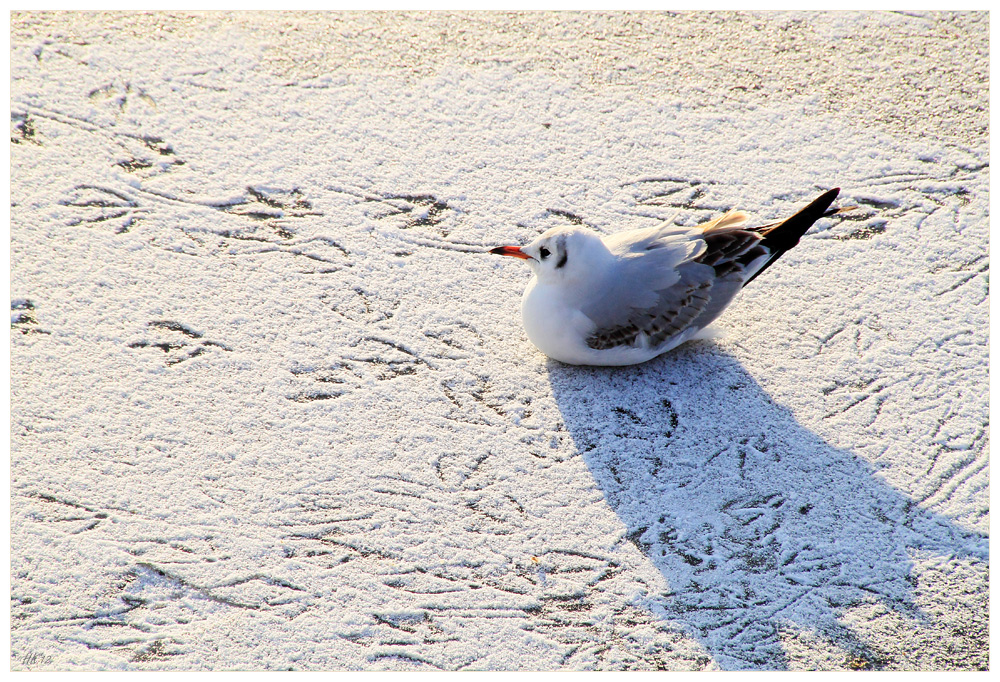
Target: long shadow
(755, 522)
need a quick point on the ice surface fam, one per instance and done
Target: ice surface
(272, 406)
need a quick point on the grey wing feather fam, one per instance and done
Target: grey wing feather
(676, 308)
(704, 279)
(647, 267)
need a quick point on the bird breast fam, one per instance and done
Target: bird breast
(553, 324)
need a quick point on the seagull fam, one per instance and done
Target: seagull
(628, 297)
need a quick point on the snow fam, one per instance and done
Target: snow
(272, 406)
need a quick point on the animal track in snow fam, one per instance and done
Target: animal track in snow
(184, 343)
(360, 305)
(146, 156)
(93, 205)
(412, 218)
(370, 359)
(22, 129)
(273, 206)
(22, 317)
(674, 193)
(459, 340)
(122, 97)
(415, 210)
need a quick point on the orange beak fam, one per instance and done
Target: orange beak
(514, 251)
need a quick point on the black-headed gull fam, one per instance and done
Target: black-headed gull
(628, 297)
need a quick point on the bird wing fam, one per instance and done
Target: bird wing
(670, 279)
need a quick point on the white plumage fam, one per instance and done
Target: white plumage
(626, 298)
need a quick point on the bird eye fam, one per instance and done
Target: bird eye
(543, 253)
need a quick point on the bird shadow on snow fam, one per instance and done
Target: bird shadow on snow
(759, 526)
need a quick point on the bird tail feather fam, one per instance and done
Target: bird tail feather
(784, 235)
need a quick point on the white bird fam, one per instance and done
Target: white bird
(628, 297)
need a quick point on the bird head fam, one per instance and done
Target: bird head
(559, 254)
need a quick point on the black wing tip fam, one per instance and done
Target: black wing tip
(785, 235)
(820, 204)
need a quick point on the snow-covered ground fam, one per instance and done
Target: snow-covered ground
(272, 406)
